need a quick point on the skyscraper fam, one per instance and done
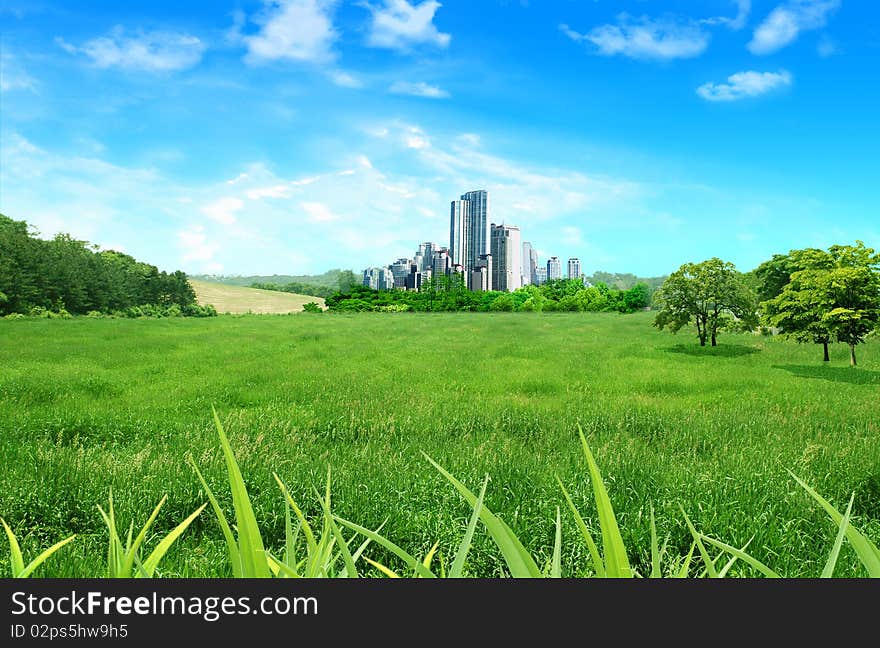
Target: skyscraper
(506, 257)
(540, 276)
(529, 263)
(480, 277)
(574, 268)
(554, 269)
(477, 237)
(459, 227)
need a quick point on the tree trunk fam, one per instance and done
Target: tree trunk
(826, 358)
(714, 341)
(852, 355)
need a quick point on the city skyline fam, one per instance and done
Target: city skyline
(502, 262)
(293, 136)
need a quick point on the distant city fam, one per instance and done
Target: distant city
(487, 256)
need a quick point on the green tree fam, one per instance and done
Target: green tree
(793, 307)
(834, 296)
(707, 294)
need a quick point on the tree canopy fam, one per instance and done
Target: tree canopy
(710, 294)
(71, 276)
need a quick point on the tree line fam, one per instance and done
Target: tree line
(66, 276)
(448, 293)
(809, 295)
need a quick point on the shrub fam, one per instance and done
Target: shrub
(312, 307)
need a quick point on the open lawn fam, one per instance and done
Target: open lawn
(236, 300)
(90, 404)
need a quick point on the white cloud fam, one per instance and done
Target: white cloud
(744, 8)
(13, 76)
(318, 212)
(787, 21)
(156, 51)
(194, 243)
(223, 210)
(419, 89)
(745, 84)
(646, 38)
(278, 191)
(344, 79)
(293, 30)
(399, 25)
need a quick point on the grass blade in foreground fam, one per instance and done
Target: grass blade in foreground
(616, 562)
(19, 570)
(866, 550)
(461, 555)
(835, 550)
(251, 551)
(519, 561)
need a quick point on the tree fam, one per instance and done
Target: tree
(708, 294)
(793, 306)
(834, 296)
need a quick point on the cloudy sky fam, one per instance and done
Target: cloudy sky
(295, 136)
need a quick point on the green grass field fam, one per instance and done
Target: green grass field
(236, 300)
(86, 405)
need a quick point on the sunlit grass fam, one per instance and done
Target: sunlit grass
(86, 406)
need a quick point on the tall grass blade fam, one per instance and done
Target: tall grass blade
(382, 568)
(519, 561)
(252, 553)
(231, 543)
(132, 548)
(754, 562)
(457, 568)
(556, 569)
(598, 563)
(866, 550)
(616, 561)
(656, 571)
(835, 550)
(707, 559)
(15, 557)
(152, 561)
(411, 562)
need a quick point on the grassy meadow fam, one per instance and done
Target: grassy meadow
(90, 404)
(236, 299)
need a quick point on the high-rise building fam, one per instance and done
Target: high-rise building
(554, 269)
(529, 264)
(401, 269)
(427, 251)
(540, 275)
(441, 263)
(480, 277)
(574, 268)
(477, 238)
(459, 227)
(379, 278)
(506, 257)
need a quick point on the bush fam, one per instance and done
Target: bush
(312, 307)
(502, 303)
(15, 316)
(95, 314)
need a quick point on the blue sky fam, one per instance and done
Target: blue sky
(294, 136)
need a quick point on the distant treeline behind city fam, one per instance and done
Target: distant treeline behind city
(448, 293)
(338, 281)
(63, 276)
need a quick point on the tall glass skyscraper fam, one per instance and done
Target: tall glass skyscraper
(506, 258)
(477, 239)
(554, 269)
(459, 227)
(574, 268)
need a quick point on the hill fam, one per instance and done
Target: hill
(329, 279)
(237, 299)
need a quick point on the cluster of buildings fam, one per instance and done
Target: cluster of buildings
(488, 256)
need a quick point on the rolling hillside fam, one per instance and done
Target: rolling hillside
(236, 299)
